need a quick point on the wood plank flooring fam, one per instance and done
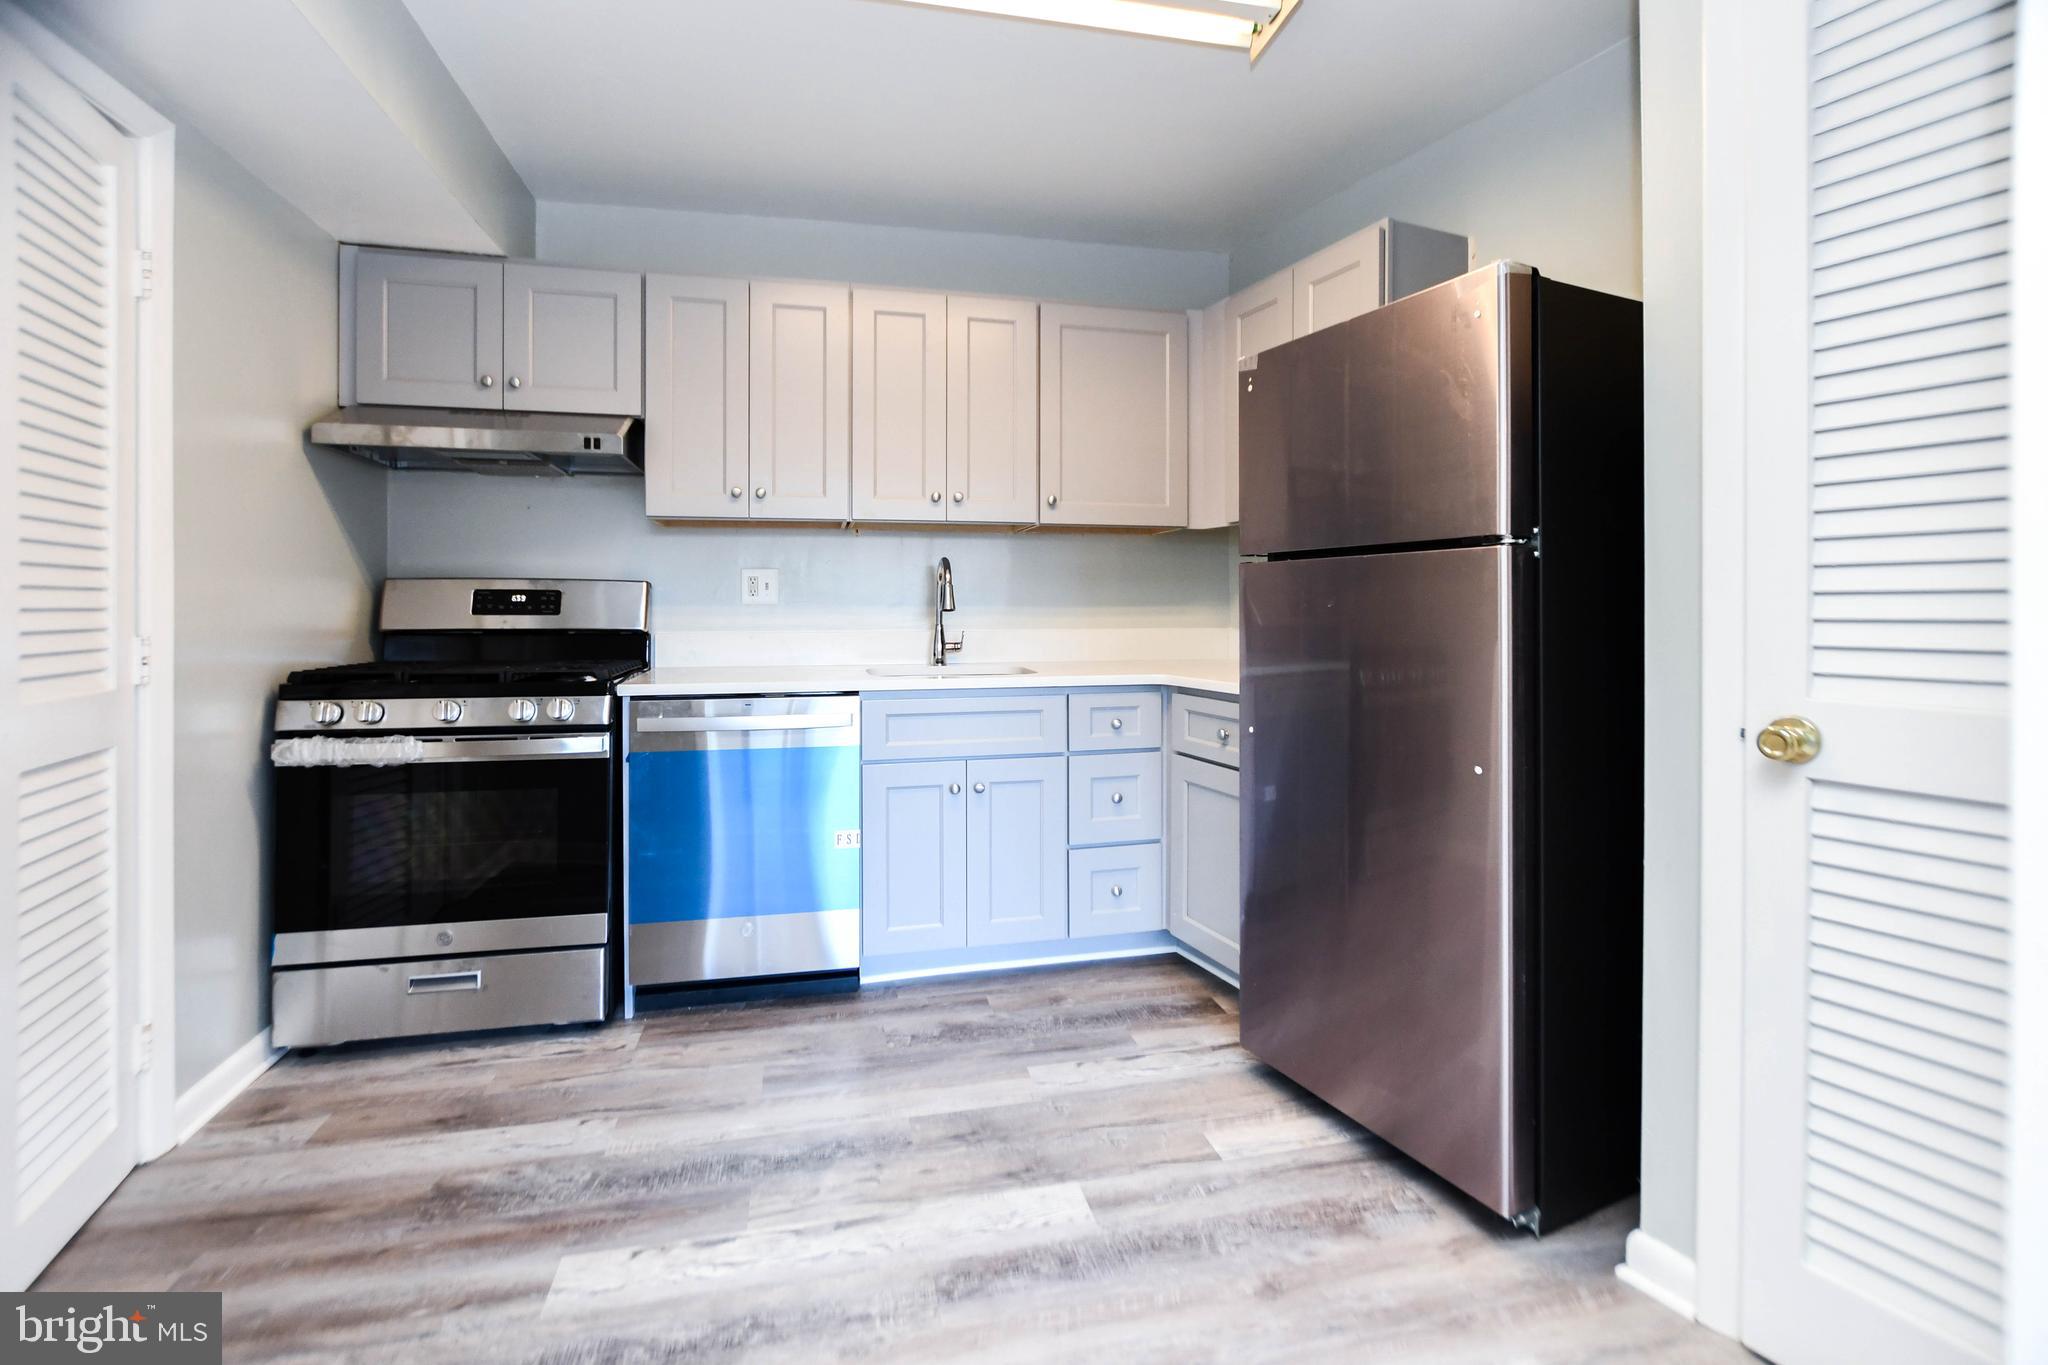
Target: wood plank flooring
(1072, 1164)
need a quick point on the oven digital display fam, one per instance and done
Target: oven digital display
(516, 602)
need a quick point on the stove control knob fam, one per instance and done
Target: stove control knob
(326, 712)
(448, 712)
(522, 709)
(369, 712)
(562, 708)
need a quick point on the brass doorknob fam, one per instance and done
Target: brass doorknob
(1789, 739)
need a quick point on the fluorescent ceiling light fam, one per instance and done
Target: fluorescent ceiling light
(1219, 23)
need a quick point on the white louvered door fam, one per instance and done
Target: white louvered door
(1877, 888)
(67, 714)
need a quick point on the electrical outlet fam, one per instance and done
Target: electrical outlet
(760, 587)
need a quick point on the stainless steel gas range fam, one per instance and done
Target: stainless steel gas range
(447, 836)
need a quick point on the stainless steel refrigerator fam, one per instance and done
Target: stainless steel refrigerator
(1442, 629)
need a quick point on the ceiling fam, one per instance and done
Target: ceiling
(874, 111)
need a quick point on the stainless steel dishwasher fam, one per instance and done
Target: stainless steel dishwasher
(742, 838)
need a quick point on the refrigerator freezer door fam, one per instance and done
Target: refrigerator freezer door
(1411, 424)
(1382, 891)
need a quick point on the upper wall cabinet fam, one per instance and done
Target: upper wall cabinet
(1113, 417)
(429, 330)
(572, 340)
(1386, 261)
(899, 405)
(945, 408)
(798, 377)
(696, 439)
(991, 410)
(466, 332)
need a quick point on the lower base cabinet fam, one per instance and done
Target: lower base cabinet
(1202, 848)
(961, 853)
(1114, 890)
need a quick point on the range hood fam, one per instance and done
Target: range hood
(534, 443)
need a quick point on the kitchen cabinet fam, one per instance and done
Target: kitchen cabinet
(1016, 850)
(466, 332)
(798, 378)
(1113, 798)
(572, 340)
(899, 405)
(992, 410)
(914, 857)
(963, 726)
(1114, 720)
(1113, 417)
(1259, 317)
(1204, 727)
(428, 331)
(696, 437)
(1339, 282)
(1202, 835)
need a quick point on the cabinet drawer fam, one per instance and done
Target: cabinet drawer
(1114, 891)
(963, 727)
(1204, 728)
(1113, 720)
(316, 1006)
(1113, 798)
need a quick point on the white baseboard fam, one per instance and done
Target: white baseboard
(220, 1085)
(1665, 1274)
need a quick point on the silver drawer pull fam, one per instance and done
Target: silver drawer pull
(980, 787)
(1116, 722)
(1223, 736)
(953, 789)
(1116, 798)
(1115, 890)
(440, 982)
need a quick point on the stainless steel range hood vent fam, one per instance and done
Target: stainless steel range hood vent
(532, 443)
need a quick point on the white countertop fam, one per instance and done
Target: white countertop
(1199, 675)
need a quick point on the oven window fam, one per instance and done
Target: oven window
(431, 843)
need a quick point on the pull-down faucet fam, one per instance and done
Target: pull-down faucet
(941, 646)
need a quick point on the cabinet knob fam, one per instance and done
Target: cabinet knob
(760, 492)
(1223, 736)
(980, 787)
(1052, 500)
(953, 788)
(1116, 798)
(738, 491)
(1116, 889)
(1116, 722)
(959, 497)
(935, 497)
(487, 380)
(513, 382)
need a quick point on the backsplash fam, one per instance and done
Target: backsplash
(844, 595)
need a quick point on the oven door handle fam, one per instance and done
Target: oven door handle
(520, 750)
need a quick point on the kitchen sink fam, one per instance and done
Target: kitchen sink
(950, 671)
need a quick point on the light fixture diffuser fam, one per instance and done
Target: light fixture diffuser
(1245, 24)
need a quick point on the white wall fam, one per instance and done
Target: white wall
(277, 550)
(1671, 705)
(861, 253)
(1550, 179)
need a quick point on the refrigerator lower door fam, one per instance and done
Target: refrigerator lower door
(1382, 878)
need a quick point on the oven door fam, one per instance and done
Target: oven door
(484, 843)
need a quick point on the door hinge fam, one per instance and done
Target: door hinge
(145, 1047)
(142, 660)
(145, 274)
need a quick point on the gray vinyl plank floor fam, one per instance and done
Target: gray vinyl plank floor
(1070, 1164)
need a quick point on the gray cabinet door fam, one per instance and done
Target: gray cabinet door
(914, 857)
(1202, 858)
(696, 434)
(1016, 850)
(1114, 891)
(572, 340)
(429, 330)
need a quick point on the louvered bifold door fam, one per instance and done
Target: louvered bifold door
(67, 711)
(1878, 910)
